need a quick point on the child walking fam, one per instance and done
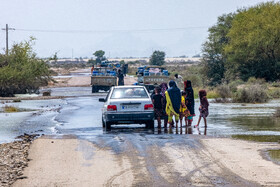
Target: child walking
(184, 112)
(157, 99)
(203, 108)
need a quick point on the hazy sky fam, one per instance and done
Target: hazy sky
(121, 28)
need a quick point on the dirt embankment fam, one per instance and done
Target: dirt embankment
(13, 159)
(204, 162)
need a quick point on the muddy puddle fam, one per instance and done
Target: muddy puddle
(258, 138)
(275, 155)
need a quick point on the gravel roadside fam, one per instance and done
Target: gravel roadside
(13, 159)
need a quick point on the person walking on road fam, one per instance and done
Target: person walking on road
(203, 108)
(189, 100)
(120, 78)
(173, 102)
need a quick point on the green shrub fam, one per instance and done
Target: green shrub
(277, 113)
(234, 84)
(251, 94)
(276, 84)
(274, 93)
(22, 71)
(212, 94)
(196, 80)
(253, 80)
(224, 91)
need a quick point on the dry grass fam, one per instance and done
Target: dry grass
(10, 109)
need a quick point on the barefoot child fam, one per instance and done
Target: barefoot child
(203, 108)
(184, 112)
(158, 105)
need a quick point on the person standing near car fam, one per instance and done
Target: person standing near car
(164, 87)
(173, 102)
(120, 78)
(158, 105)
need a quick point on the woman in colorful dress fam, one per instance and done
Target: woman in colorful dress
(173, 102)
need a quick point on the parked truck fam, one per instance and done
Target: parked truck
(105, 76)
(151, 76)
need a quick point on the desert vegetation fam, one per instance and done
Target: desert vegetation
(9, 109)
(21, 71)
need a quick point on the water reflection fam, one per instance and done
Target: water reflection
(275, 155)
(140, 129)
(256, 123)
(199, 132)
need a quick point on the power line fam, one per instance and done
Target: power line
(106, 31)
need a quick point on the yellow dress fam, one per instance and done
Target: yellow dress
(182, 109)
(184, 112)
(169, 108)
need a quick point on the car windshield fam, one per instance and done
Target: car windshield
(124, 93)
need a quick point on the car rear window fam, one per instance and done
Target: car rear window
(124, 93)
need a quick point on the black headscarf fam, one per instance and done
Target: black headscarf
(190, 97)
(175, 96)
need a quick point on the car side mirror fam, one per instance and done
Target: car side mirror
(101, 100)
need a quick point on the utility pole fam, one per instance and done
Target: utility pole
(7, 37)
(72, 53)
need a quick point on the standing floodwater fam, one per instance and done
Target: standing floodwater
(81, 116)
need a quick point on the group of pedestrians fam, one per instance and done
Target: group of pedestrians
(170, 103)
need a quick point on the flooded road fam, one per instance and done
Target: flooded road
(81, 116)
(135, 156)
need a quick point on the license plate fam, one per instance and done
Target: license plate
(125, 107)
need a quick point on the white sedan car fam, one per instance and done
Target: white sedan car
(127, 105)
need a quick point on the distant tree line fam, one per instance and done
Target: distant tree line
(21, 71)
(244, 44)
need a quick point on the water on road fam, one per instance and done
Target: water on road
(81, 116)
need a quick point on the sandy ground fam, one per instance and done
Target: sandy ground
(72, 162)
(211, 162)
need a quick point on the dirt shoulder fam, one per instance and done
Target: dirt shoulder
(13, 159)
(204, 162)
